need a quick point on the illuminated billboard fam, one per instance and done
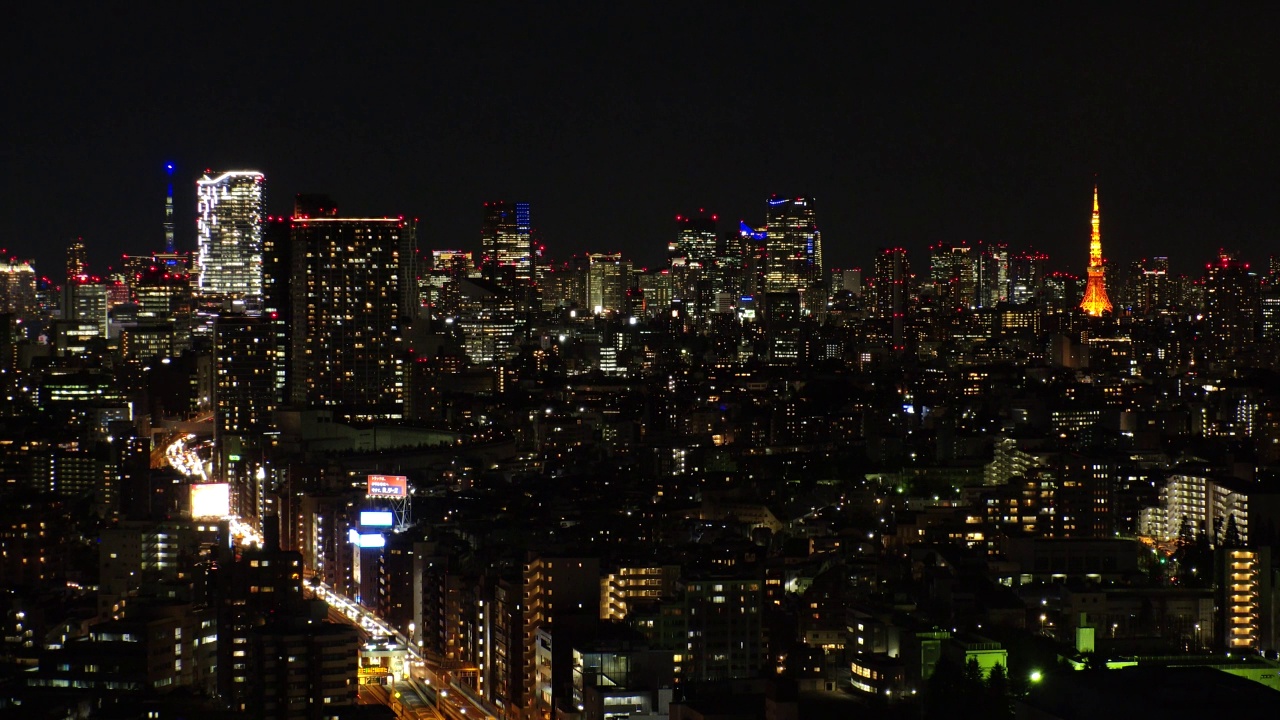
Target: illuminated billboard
(377, 518)
(366, 540)
(210, 500)
(388, 486)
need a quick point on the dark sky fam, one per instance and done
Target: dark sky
(907, 126)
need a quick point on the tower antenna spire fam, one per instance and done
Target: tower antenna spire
(168, 211)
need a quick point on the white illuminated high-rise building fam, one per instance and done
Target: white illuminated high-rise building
(229, 211)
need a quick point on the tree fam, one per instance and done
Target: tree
(1231, 538)
(998, 695)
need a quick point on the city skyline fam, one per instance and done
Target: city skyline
(663, 361)
(652, 256)
(914, 130)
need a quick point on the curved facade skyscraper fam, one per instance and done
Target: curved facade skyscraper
(229, 214)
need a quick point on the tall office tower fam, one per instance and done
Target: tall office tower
(1155, 292)
(847, 280)
(731, 264)
(277, 283)
(246, 391)
(18, 289)
(168, 212)
(438, 290)
(87, 300)
(159, 292)
(954, 275)
(506, 243)
(77, 259)
(1268, 311)
(1231, 303)
(277, 274)
(350, 302)
(490, 320)
(794, 245)
(83, 297)
(1026, 276)
(993, 275)
(229, 209)
(892, 274)
(754, 244)
(608, 279)
(691, 255)
(696, 239)
(1095, 300)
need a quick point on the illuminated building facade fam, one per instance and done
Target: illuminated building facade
(692, 258)
(695, 239)
(1246, 598)
(490, 319)
(507, 243)
(1232, 303)
(892, 293)
(1026, 276)
(794, 245)
(1156, 289)
(246, 391)
(993, 275)
(954, 275)
(608, 277)
(349, 312)
(168, 212)
(160, 292)
(725, 628)
(438, 291)
(77, 259)
(1095, 300)
(229, 217)
(88, 302)
(18, 289)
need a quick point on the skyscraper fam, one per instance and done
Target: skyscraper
(892, 272)
(507, 244)
(246, 391)
(77, 259)
(695, 239)
(350, 303)
(229, 210)
(1232, 308)
(1095, 300)
(18, 288)
(692, 256)
(794, 244)
(953, 270)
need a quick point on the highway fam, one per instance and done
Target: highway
(449, 703)
(405, 699)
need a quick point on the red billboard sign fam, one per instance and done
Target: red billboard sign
(388, 486)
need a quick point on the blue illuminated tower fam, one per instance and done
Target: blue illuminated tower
(168, 211)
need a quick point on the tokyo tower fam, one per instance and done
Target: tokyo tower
(1095, 300)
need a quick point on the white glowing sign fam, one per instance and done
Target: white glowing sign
(209, 500)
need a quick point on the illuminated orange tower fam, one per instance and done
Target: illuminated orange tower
(1095, 300)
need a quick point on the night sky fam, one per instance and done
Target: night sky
(908, 128)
